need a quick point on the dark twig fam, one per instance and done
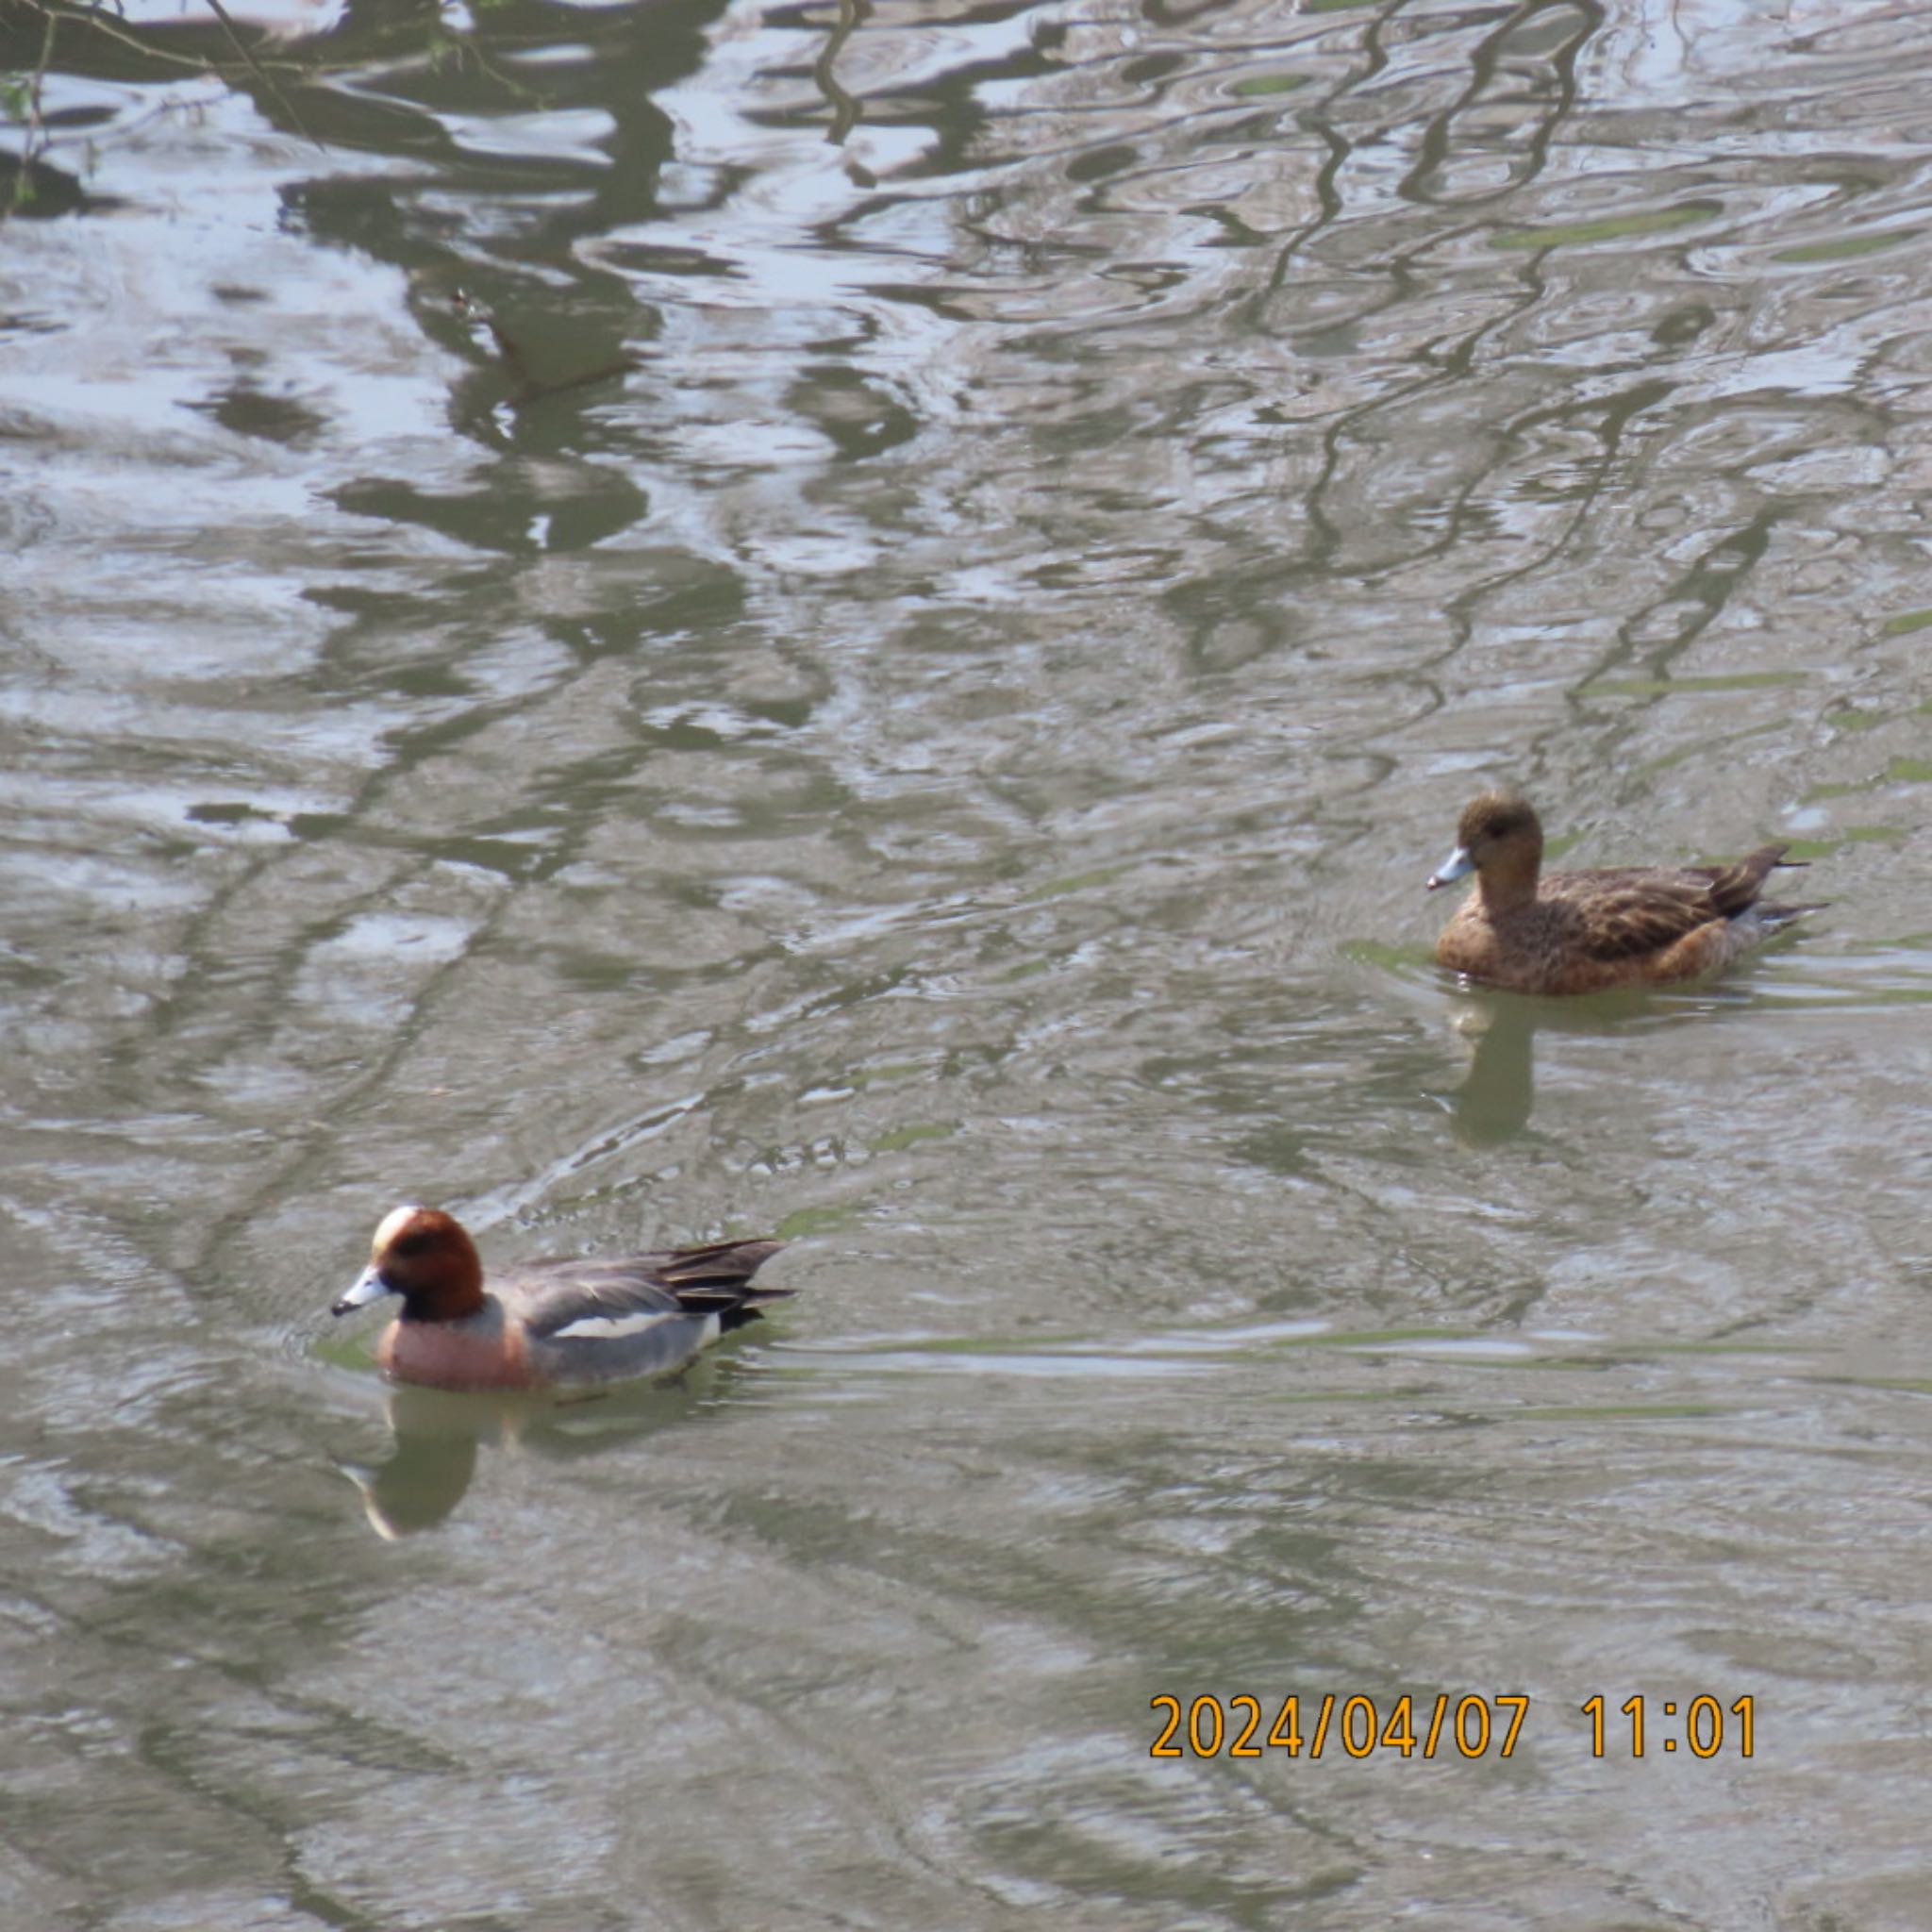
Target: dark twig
(260, 73)
(35, 141)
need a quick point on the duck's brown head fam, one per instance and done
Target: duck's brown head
(1499, 838)
(423, 1255)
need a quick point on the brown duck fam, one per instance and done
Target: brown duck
(1565, 932)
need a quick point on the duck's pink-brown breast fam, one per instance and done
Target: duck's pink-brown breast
(483, 1353)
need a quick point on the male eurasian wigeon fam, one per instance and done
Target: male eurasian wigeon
(548, 1324)
(1568, 932)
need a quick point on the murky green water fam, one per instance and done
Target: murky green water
(904, 695)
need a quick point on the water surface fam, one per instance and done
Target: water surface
(863, 621)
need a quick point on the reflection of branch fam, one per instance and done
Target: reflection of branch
(220, 14)
(36, 129)
(466, 47)
(845, 109)
(93, 17)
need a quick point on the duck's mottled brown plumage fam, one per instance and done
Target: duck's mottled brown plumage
(1569, 932)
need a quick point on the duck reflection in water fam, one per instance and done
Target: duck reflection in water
(1498, 1093)
(438, 1434)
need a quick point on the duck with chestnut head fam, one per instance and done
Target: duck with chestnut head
(548, 1324)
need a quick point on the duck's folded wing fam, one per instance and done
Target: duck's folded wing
(1625, 916)
(1625, 913)
(555, 1296)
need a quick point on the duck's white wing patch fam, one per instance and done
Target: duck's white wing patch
(614, 1327)
(609, 1348)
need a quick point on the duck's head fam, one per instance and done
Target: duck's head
(424, 1255)
(1497, 832)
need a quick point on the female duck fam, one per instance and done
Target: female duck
(550, 1322)
(1583, 931)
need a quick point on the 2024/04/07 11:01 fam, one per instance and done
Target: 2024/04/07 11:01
(1204, 1727)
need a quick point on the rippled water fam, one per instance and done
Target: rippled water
(863, 621)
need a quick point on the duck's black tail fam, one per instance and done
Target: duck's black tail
(717, 1279)
(1734, 887)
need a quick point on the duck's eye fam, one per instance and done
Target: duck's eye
(404, 1246)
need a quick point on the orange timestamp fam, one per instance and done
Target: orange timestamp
(1465, 1726)
(1201, 1728)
